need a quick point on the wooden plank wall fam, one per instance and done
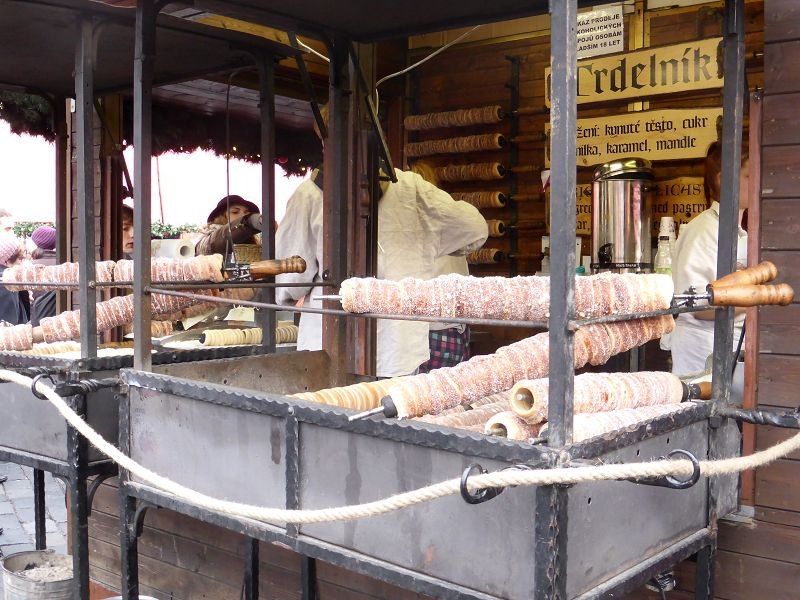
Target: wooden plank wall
(181, 558)
(761, 558)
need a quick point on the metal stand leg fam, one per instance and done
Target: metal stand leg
(308, 575)
(251, 570)
(78, 454)
(129, 546)
(39, 509)
(704, 578)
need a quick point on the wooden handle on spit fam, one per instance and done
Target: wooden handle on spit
(265, 268)
(760, 273)
(697, 391)
(752, 295)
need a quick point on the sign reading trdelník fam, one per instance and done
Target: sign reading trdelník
(653, 71)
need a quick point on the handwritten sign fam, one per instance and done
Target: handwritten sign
(655, 135)
(601, 31)
(663, 70)
(682, 199)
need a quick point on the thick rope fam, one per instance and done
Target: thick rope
(509, 477)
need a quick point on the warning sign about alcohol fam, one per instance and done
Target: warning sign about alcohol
(601, 31)
(654, 135)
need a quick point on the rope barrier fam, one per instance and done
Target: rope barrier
(505, 478)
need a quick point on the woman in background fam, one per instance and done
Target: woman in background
(15, 307)
(44, 301)
(234, 220)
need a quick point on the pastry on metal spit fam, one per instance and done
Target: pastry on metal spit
(359, 396)
(511, 298)
(510, 425)
(599, 392)
(588, 425)
(480, 376)
(16, 337)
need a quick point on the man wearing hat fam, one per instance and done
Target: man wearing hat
(44, 301)
(234, 220)
(14, 306)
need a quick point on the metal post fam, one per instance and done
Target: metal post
(144, 57)
(78, 457)
(563, 116)
(84, 106)
(337, 161)
(251, 569)
(129, 547)
(704, 575)
(308, 577)
(62, 191)
(128, 540)
(733, 106)
(266, 73)
(39, 509)
(550, 561)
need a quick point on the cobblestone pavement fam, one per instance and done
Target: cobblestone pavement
(16, 512)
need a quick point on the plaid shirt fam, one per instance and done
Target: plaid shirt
(448, 348)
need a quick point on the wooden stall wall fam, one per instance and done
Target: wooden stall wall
(181, 558)
(758, 558)
(483, 74)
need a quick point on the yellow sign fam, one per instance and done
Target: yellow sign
(583, 209)
(653, 134)
(682, 199)
(649, 72)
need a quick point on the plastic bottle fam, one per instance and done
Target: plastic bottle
(663, 260)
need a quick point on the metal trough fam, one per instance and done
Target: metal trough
(264, 448)
(31, 426)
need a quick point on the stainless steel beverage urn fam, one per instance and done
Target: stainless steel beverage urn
(621, 217)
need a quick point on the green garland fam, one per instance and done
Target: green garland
(24, 229)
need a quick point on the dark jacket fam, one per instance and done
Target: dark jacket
(15, 307)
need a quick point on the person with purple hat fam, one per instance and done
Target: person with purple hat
(44, 301)
(15, 307)
(234, 220)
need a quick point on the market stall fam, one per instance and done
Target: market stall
(196, 419)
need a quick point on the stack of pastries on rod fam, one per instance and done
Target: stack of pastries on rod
(479, 393)
(117, 311)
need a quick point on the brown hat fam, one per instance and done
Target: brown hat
(233, 199)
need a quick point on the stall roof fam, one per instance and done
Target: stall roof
(38, 42)
(374, 20)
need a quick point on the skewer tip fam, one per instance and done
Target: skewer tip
(378, 410)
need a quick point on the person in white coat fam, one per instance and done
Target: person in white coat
(417, 223)
(695, 264)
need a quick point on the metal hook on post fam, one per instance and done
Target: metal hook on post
(36, 380)
(481, 495)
